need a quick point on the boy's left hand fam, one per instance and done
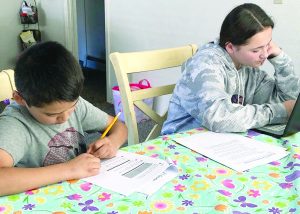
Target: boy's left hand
(103, 148)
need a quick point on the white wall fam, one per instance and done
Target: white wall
(51, 20)
(136, 25)
(10, 29)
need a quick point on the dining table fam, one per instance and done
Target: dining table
(202, 185)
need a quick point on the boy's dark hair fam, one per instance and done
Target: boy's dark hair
(242, 23)
(47, 72)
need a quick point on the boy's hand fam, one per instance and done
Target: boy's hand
(84, 165)
(103, 148)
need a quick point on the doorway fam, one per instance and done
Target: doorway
(91, 48)
(85, 42)
(91, 34)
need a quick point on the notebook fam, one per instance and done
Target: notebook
(282, 130)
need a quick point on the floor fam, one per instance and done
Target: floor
(94, 90)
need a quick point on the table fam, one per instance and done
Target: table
(202, 186)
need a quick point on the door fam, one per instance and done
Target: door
(91, 33)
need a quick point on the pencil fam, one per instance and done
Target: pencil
(110, 125)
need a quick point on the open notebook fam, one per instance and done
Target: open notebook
(282, 130)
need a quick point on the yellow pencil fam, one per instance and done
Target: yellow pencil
(110, 125)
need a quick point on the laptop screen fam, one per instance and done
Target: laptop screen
(293, 124)
(280, 130)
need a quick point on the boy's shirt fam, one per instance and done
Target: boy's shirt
(32, 144)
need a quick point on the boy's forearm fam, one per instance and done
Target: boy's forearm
(119, 134)
(15, 180)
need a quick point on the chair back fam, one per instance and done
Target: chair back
(136, 62)
(7, 84)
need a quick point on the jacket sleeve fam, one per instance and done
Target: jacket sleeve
(286, 82)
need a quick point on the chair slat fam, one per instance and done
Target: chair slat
(152, 92)
(166, 58)
(149, 112)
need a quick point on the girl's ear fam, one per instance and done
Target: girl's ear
(229, 47)
(18, 98)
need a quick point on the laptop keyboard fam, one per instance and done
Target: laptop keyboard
(277, 127)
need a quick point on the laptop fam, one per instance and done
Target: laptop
(283, 130)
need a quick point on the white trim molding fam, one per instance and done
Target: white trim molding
(71, 36)
(109, 69)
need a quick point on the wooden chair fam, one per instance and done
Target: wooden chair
(7, 84)
(135, 62)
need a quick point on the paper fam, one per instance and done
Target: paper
(129, 172)
(156, 183)
(27, 37)
(232, 150)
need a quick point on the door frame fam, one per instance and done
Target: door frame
(71, 39)
(71, 35)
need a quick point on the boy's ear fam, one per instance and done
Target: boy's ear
(18, 98)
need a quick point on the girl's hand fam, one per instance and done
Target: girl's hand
(273, 50)
(289, 106)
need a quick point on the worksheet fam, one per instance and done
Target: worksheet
(129, 172)
(233, 150)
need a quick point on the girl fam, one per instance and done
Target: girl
(222, 87)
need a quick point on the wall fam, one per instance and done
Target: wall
(137, 25)
(51, 20)
(10, 29)
(143, 24)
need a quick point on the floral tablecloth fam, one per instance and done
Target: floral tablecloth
(202, 186)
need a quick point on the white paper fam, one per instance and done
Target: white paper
(27, 37)
(156, 183)
(232, 150)
(129, 172)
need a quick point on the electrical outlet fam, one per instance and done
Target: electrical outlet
(277, 1)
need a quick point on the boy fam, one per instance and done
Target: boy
(42, 132)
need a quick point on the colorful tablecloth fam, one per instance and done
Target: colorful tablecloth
(202, 186)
